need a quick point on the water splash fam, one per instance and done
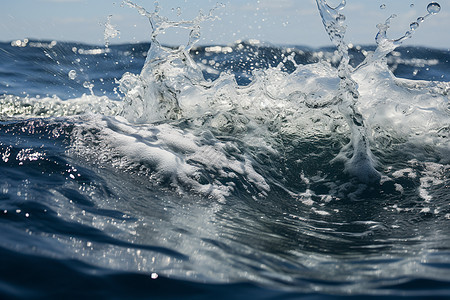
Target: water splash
(153, 95)
(361, 162)
(159, 24)
(386, 45)
(273, 115)
(357, 154)
(110, 31)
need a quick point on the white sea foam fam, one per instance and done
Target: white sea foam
(37, 107)
(166, 155)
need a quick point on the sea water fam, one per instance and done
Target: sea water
(239, 171)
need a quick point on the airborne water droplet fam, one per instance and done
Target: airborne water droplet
(420, 19)
(340, 18)
(411, 5)
(414, 25)
(90, 86)
(433, 8)
(87, 85)
(72, 74)
(382, 6)
(110, 31)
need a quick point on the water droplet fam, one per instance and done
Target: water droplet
(420, 19)
(87, 85)
(110, 31)
(414, 25)
(382, 6)
(411, 5)
(90, 86)
(340, 18)
(72, 74)
(433, 8)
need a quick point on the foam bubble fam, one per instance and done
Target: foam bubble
(167, 155)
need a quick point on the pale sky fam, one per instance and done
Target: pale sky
(288, 22)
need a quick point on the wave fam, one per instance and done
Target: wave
(173, 99)
(285, 166)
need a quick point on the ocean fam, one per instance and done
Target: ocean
(242, 171)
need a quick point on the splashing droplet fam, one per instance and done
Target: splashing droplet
(110, 31)
(348, 95)
(433, 8)
(72, 74)
(382, 6)
(90, 86)
(414, 25)
(420, 19)
(340, 18)
(178, 10)
(411, 5)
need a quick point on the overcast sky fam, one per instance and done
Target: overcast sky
(292, 22)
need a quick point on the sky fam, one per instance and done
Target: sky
(280, 22)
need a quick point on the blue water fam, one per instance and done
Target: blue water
(219, 178)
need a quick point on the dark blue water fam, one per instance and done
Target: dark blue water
(45, 70)
(223, 186)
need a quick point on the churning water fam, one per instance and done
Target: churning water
(236, 172)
